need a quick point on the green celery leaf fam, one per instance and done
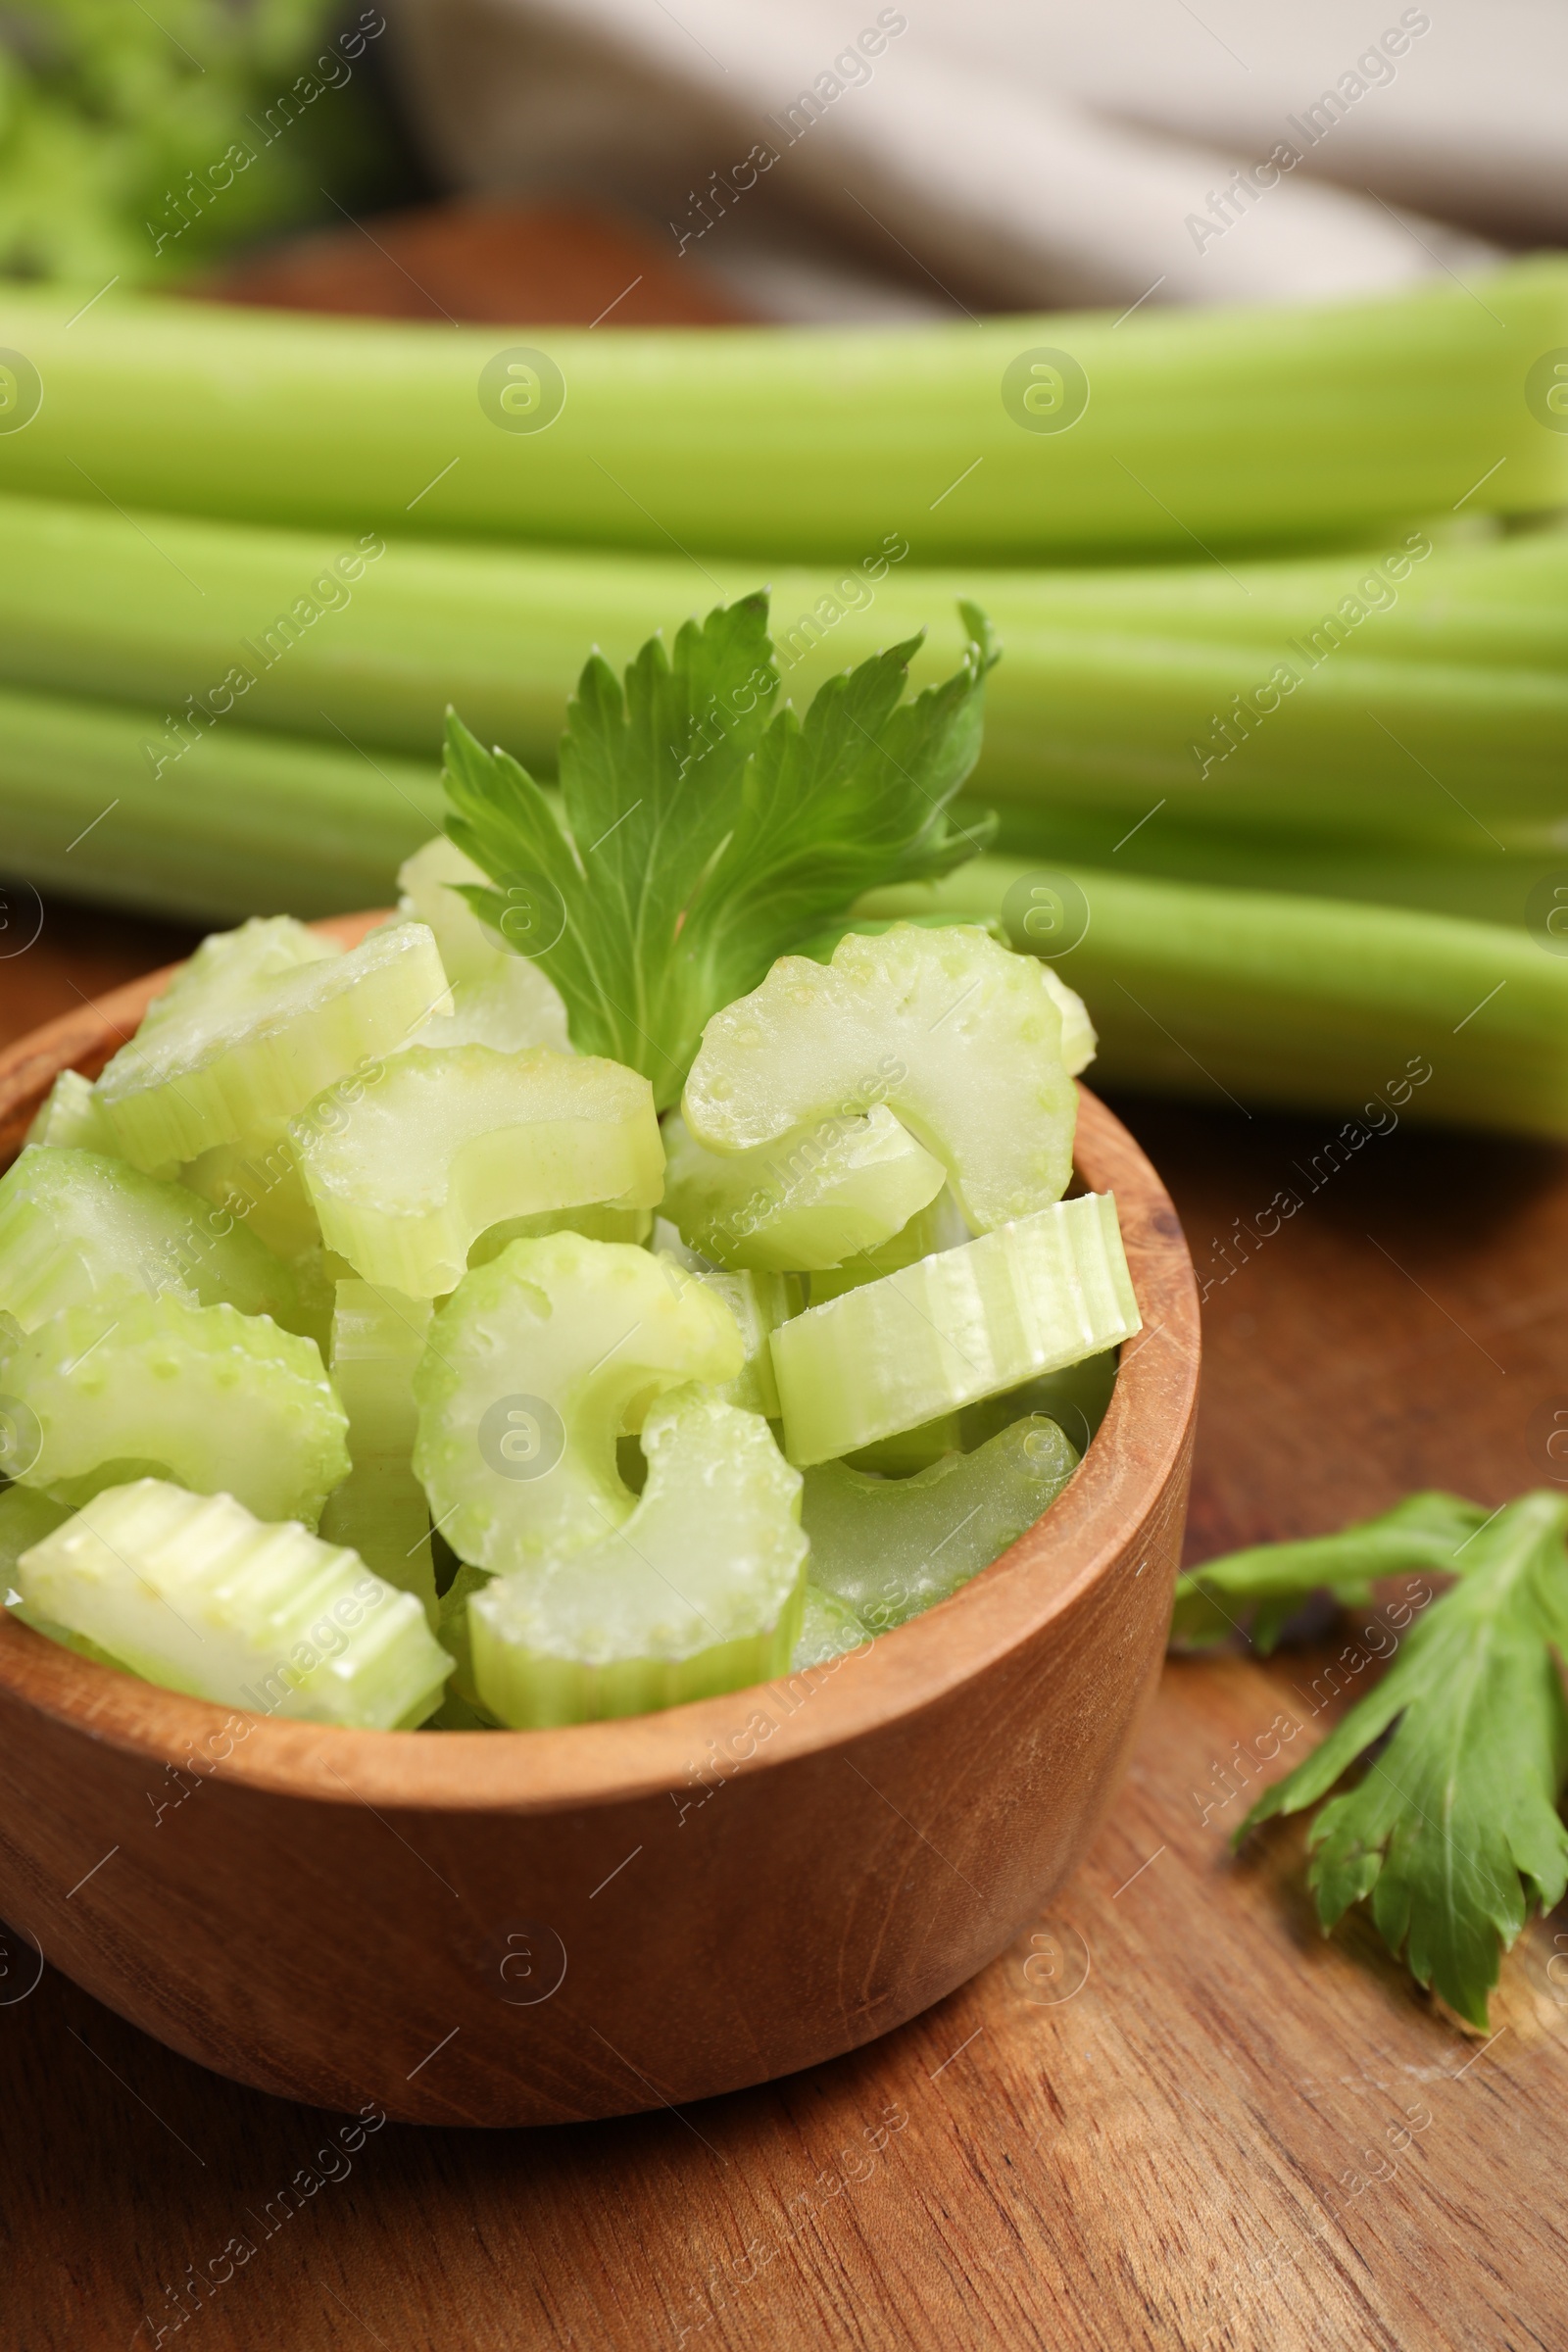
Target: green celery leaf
(1259, 1590)
(1454, 1825)
(702, 833)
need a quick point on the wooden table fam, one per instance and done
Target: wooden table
(1171, 2115)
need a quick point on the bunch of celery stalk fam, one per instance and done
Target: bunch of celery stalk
(1279, 734)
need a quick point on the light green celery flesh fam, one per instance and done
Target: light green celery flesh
(70, 1118)
(1076, 1398)
(1031, 1298)
(26, 1518)
(953, 1031)
(1248, 997)
(700, 1591)
(82, 1229)
(257, 1179)
(759, 1304)
(534, 1367)
(938, 1226)
(843, 1185)
(208, 1075)
(890, 1548)
(222, 1402)
(379, 1510)
(499, 998)
(829, 1628)
(802, 442)
(196, 1594)
(441, 1144)
(451, 1632)
(596, 1222)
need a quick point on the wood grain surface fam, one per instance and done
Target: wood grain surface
(1172, 2115)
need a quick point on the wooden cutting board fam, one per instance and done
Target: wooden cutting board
(1171, 2115)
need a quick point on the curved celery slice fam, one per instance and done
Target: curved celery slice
(1079, 1044)
(71, 1117)
(225, 970)
(889, 1548)
(25, 1519)
(246, 1054)
(702, 1590)
(596, 1221)
(828, 1628)
(494, 989)
(535, 1366)
(451, 1632)
(953, 1032)
(220, 1400)
(193, 1592)
(813, 1200)
(759, 1304)
(379, 1510)
(79, 1229)
(938, 1226)
(257, 1179)
(443, 1143)
(1029, 1298)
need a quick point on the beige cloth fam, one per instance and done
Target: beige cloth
(851, 160)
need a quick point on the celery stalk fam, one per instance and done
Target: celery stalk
(1237, 424)
(1256, 997)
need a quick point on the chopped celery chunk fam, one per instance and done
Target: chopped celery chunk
(451, 1632)
(596, 1221)
(499, 998)
(953, 1032)
(1076, 1398)
(221, 1401)
(79, 1229)
(26, 1518)
(759, 1304)
(1079, 1044)
(938, 1226)
(535, 1365)
(889, 1548)
(1031, 1298)
(72, 1117)
(257, 1179)
(813, 1200)
(379, 1510)
(444, 1143)
(193, 1592)
(244, 1055)
(828, 1628)
(701, 1591)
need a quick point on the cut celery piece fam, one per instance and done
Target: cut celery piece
(938, 1226)
(759, 1304)
(907, 1450)
(71, 1118)
(79, 1229)
(535, 1365)
(451, 1632)
(810, 1201)
(1031, 1298)
(889, 1548)
(243, 1055)
(499, 999)
(257, 1179)
(226, 969)
(193, 1592)
(446, 1143)
(25, 1519)
(222, 1402)
(828, 1628)
(1079, 1044)
(953, 1032)
(379, 1510)
(596, 1221)
(1077, 1397)
(508, 1011)
(701, 1591)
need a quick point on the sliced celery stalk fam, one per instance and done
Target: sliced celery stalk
(499, 997)
(257, 1179)
(889, 1548)
(223, 975)
(444, 1143)
(207, 1071)
(379, 1510)
(597, 1221)
(193, 1592)
(1030, 1298)
(822, 1195)
(759, 1304)
(71, 1118)
(952, 1031)
(701, 1591)
(1078, 1038)
(535, 1365)
(451, 1632)
(223, 1402)
(938, 1226)
(25, 1519)
(80, 1229)
(828, 1628)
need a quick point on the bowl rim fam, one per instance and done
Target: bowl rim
(1124, 1478)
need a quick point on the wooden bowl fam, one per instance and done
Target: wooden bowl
(541, 1926)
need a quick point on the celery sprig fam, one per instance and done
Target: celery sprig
(704, 831)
